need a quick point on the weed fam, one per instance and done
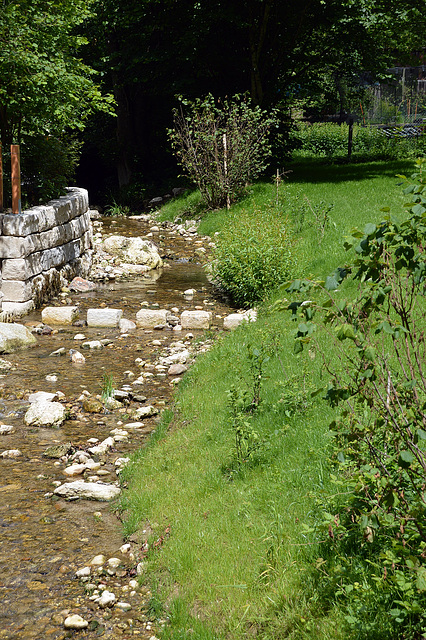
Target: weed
(108, 386)
(117, 210)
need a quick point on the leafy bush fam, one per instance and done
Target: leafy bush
(254, 255)
(221, 145)
(373, 529)
(47, 166)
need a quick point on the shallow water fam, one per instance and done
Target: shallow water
(44, 539)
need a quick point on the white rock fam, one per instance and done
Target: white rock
(52, 377)
(83, 573)
(107, 599)
(5, 429)
(59, 315)
(103, 447)
(88, 490)
(75, 470)
(79, 336)
(145, 412)
(77, 357)
(125, 548)
(92, 344)
(14, 337)
(189, 292)
(123, 606)
(177, 369)
(133, 251)
(103, 317)
(150, 318)
(126, 325)
(11, 453)
(75, 622)
(45, 414)
(234, 320)
(179, 357)
(42, 396)
(196, 319)
(113, 563)
(98, 561)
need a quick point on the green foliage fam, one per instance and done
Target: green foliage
(375, 524)
(47, 179)
(253, 255)
(108, 386)
(246, 438)
(331, 141)
(222, 145)
(116, 209)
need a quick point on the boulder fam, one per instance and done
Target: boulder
(196, 319)
(126, 325)
(45, 414)
(59, 315)
(88, 490)
(150, 318)
(14, 337)
(104, 317)
(133, 250)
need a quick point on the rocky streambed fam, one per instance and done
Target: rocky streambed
(65, 569)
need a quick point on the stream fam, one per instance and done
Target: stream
(46, 539)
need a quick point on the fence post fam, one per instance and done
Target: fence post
(1, 179)
(16, 178)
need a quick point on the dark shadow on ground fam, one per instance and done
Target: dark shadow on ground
(317, 170)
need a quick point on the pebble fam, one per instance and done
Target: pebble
(75, 622)
(11, 453)
(5, 429)
(107, 599)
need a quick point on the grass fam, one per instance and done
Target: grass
(236, 558)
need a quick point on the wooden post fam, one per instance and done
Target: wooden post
(351, 129)
(225, 170)
(1, 180)
(16, 178)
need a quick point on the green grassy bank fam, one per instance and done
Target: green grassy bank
(233, 550)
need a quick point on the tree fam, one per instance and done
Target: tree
(45, 88)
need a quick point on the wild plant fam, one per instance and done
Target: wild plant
(321, 217)
(108, 386)
(246, 438)
(373, 530)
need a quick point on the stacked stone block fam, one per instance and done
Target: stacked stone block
(41, 247)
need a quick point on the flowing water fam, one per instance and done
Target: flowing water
(44, 538)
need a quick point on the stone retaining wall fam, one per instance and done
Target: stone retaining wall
(41, 248)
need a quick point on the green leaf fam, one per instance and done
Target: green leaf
(331, 283)
(370, 354)
(369, 229)
(421, 579)
(298, 347)
(405, 459)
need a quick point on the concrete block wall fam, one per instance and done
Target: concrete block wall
(41, 248)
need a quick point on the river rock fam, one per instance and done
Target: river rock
(235, 319)
(133, 250)
(6, 429)
(75, 470)
(92, 405)
(126, 325)
(56, 451)
(42, 396)
(77, 357)
(92, 344)
(144, 412)
(11, 453)
(5, 365)
(107, 599)
(196, 319)
(180, 356)
(177, 369)
(81, 285)
(75, 622)
(59, 315)
(103, 317)
(102, 447)
(45, 414)
(14, 337)
(150, 318)
(59, 352)
(89, 490)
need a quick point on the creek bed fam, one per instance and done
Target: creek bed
(45, 538)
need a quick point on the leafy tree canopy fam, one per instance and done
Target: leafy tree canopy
(45, 87)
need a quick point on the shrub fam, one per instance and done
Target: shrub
(254, 255)
(221, 145)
